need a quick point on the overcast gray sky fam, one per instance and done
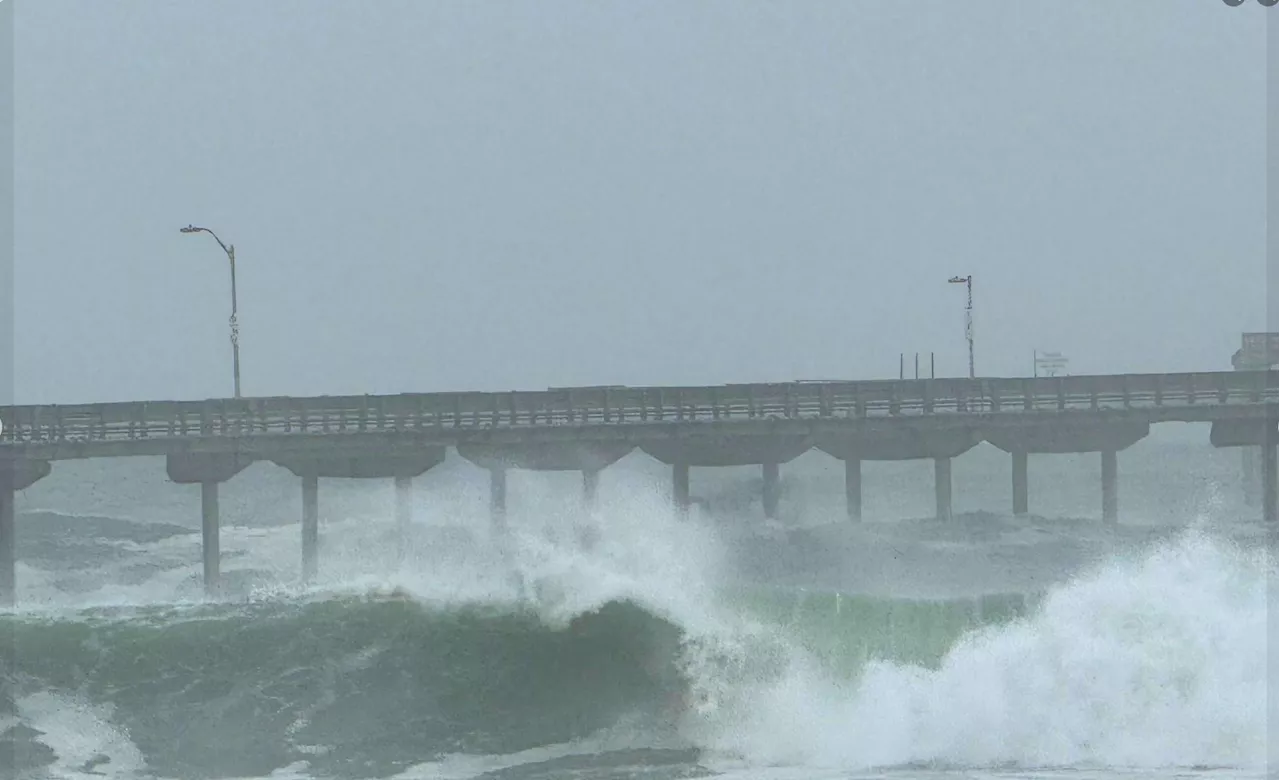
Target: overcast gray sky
(443, 196)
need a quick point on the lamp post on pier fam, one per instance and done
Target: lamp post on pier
(967, 281)
(235, 326)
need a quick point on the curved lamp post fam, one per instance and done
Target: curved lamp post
(235, 327)
(967, 281)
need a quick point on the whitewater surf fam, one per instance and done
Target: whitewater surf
(638, 657)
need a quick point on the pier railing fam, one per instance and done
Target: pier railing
(628, 405)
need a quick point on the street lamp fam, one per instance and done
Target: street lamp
(967, 281)
(235, 327)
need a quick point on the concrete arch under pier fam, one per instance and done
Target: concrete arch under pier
(588, 457)
(903, 443)
(1022, 438)
(402, 467)
(1260, 433)
(765, 450)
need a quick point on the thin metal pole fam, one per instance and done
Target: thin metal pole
(235, 325)
(968, 315)
(230, 251)
(968, 322)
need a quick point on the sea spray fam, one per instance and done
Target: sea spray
(1160, 662)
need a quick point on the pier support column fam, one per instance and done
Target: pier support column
(1269, 493)
(942, 486)
(8, 546)
(770, 498)
(1249, 472)
(1110, 495)
(1020, 483)
(590, 487)
(680, 487)
(853, 489)
(209, 537)
(498, 500)
(404, 514)
(310, 526)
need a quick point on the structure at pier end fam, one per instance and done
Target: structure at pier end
(1258, 352)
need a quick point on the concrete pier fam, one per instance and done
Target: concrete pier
(310, 526)
(853, 488)
(587, 429)
(1110, 487)
(770, 497)
(209, 537)
(1020, 498)
(942, 486)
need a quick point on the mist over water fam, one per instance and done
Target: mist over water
(629, 642)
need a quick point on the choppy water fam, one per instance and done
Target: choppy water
(667, 649)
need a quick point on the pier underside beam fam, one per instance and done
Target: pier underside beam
(909, 443)
(15, 475)
(559, 456)
(361, 466)
(1047, 437)
(719, 451)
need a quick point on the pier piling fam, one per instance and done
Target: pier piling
(770, 497)
(498, 500)
(680, 486)
(942, 487)
(1110, 495)
(404, 514)
(310, 526)
(1020, 502)
(8, 549)
(210, 548)
(853, 488)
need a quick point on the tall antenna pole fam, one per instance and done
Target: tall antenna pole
(967, 281)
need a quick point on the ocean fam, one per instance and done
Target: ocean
(627, 642)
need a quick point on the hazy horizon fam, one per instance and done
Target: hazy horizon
(450, 196)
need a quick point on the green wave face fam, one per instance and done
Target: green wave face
(357, 688)
(369, 687)
(845, 631)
